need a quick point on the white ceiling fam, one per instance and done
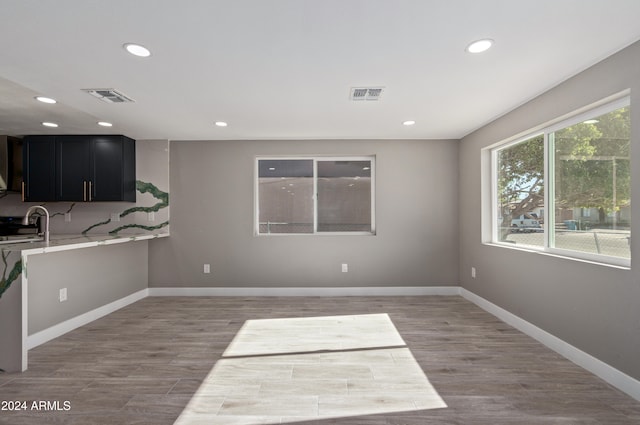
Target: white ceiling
(282, 69)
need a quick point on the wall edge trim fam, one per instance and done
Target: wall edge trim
(62, 328)
(608, 373)
(304, 291)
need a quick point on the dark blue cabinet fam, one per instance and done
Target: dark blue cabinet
(38, 168)
(96, 168)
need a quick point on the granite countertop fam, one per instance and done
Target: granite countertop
(68, 242)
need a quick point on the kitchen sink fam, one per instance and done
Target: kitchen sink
(13, 231)
(4, 240)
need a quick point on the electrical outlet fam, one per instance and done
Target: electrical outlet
(207, 268)
(345, 267)
(473, 272)
(115, 217)
(67, 217)
(63, 294)
(151, 216)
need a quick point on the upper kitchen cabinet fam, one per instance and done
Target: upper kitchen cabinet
(113, 169)
(38, 168)
(73, 168)
(93, 168)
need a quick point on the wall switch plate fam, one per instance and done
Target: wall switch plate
(115, 217)
(67, 217)
(63, 294)
(473, 272)
(207, 268)
(151, 216)
(345, 267)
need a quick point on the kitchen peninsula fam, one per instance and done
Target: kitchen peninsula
(65, 284)
(95, 262)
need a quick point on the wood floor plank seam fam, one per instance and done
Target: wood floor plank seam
(323, 351)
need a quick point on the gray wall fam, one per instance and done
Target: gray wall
(93, 277)
(212, 220)
(593, 307)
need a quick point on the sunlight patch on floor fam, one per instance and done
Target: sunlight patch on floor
(287, 370)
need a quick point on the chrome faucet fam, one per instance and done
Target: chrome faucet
(25, 220)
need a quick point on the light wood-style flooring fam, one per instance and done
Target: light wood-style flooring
(149, 362)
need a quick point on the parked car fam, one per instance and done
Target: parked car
(526, 223)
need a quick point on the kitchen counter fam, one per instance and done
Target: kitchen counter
(68, 242)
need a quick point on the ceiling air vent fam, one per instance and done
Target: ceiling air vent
(365, 93)
(109, 95)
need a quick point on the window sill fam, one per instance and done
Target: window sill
(317, 234)
(558, 255)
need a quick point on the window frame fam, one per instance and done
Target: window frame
(315, 159)
(495, 229)
(601, 108)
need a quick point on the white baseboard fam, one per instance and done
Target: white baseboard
(305, 292)
(62, 328)
(599, 368)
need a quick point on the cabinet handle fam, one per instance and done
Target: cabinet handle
(84, 191)
(22, 191)
(90, 190)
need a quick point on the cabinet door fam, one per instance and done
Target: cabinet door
(107, 168)
(73, 168)
(38, 163)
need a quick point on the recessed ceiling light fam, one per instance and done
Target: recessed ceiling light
(45, 99)
(137, 50)
(272, 168)
(105, 124)
(221, 123)
(49, 124)
(480, 46)
(408, 122)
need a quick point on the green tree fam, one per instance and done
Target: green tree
(592, 169)
(520, 180)
(592, 164)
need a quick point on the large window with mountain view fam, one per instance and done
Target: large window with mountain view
(567, 188)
